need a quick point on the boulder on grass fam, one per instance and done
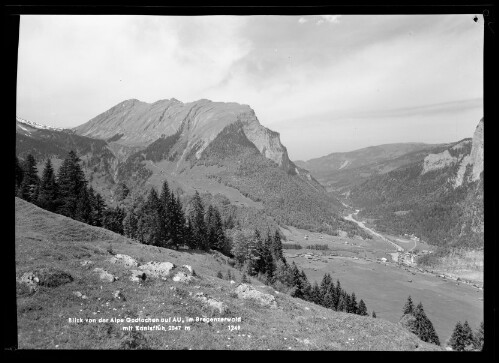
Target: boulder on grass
(245, 291)
(124, 260)
(104, 275)
(137, 275)
(157, 269)
(182, 277)
(209, 301)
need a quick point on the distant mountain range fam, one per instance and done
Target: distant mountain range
(339, 172)
(439, 198)
(213, 147)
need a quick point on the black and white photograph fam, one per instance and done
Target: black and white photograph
(303, 182)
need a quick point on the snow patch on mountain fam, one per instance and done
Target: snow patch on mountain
(35, 125)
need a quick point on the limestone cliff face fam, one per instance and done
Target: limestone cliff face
(474, 159)
(477, 152)
(466, 156)
(134, 123)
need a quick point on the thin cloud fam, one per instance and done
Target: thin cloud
(329, 19)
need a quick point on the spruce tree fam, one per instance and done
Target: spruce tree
(408, 307)
(348, 303)
(342, 303)
(98, 208)
(478, 338)
(177, 230)
(71, 181)
(338, 293)
(297, 282)
(166, 214)
(130, 224)
(306, 287)
(316, 296)
(468, 338)
(325, 285)
(19, 173)
(277, 247)
(150, 221)
(198, 224)
(189, 239)
(28, 189)
(83, 211)
(353, 304)
(362, 310)
(374, 314)
(422, 326)
(268, 260)
(47, 196)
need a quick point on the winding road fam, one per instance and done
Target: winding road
(371, 231)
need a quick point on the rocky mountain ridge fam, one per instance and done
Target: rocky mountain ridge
(441, 195)
(136, 123)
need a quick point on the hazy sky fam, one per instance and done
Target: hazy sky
(325, 83)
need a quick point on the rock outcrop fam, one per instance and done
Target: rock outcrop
(104, 275)
(124, 260)
(196, 124)
(211, 302)
(157, 269)
(246, 291)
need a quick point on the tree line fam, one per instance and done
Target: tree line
(462, 339)
(159, 220)
(263, 258)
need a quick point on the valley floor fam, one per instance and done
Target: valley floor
(385, 286)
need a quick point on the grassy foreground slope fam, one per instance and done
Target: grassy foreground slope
(57, 245)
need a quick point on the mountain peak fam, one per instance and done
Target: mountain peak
(197, 123)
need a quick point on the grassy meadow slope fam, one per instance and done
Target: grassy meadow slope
(55, 247)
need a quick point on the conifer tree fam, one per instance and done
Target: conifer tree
(348, 303)
(339, 292)
(422, 326)
(189, 234)
(130, 224)
(198, 224)
(342, 303)
(297, 282)
(166, 213)
(374, 314)
(150, 221)
(362, 310)
(83, 211)
(71, 180)
(239, 247)
(478, 338)
(325, 285)
(462, 337)
(177, 223)
(277, 247)
(353, 304)
(19, 173)
(408, 307)
(113, 219)
(268, 260)
(315, 294)
(98, 208)
(47, 196)
(306, 287)
(28, 189)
